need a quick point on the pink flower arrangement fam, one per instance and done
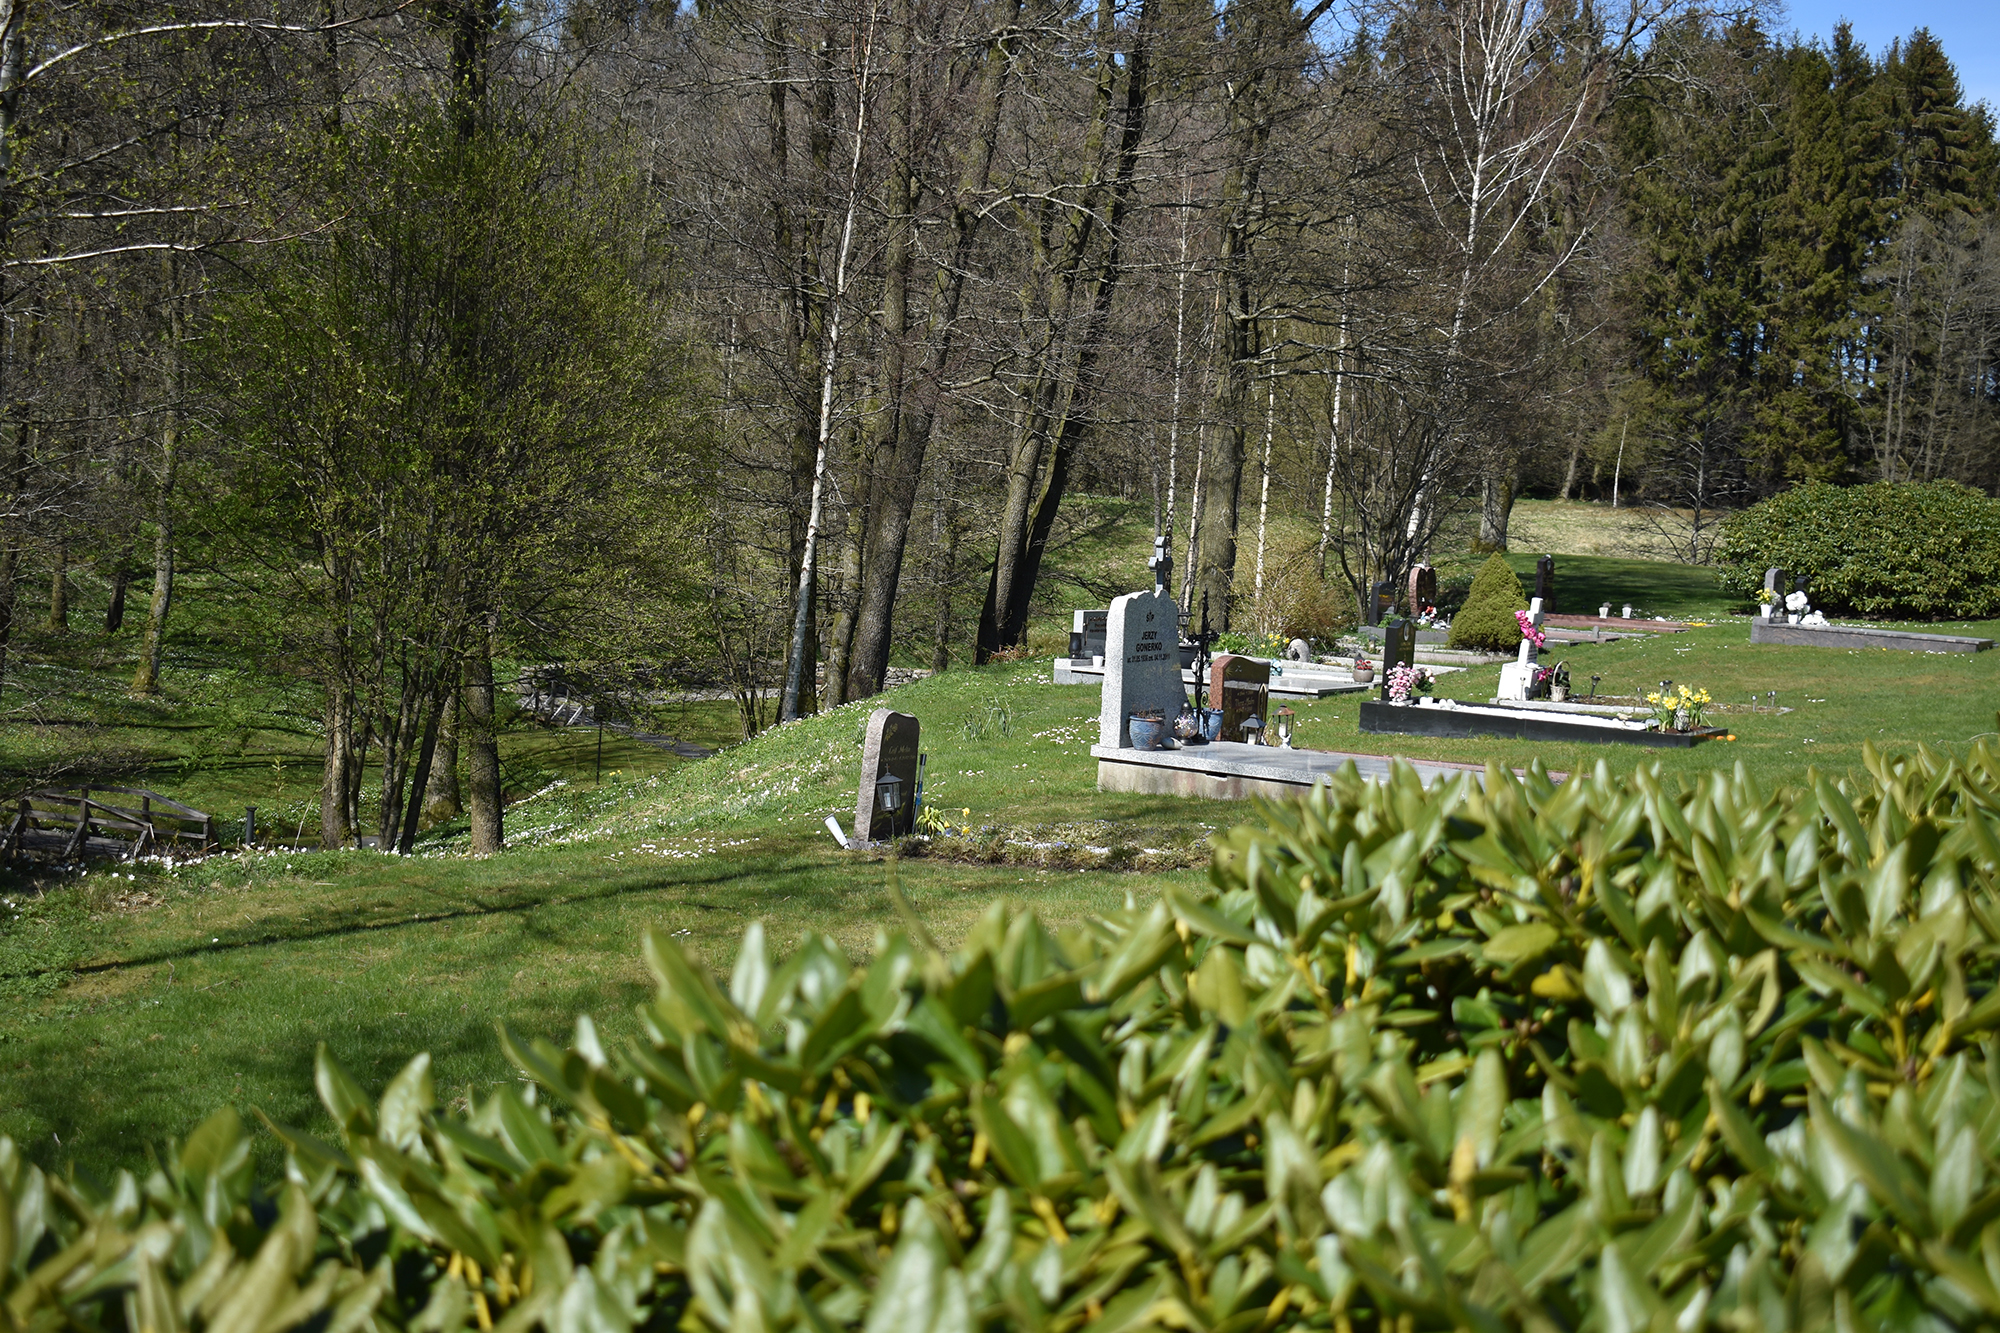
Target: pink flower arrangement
(1530, 631)
(1405, 681)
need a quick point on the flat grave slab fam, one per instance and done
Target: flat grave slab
(1633, 625)
(1231, 770)
(1511, 720)
(1764, 630)
(1290, 681)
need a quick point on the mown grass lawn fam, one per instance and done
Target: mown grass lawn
(131, 1007)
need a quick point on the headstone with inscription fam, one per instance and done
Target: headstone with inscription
(1142, 664)
(1086, 635)
(1241, 688)
(1423, 589)
(1774, 583)
(889, 751)
(1545, 580)
(1381, 597)
(1399, 648)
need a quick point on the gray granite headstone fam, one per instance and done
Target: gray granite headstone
(1241, 688)
(891, 748)
(1142, 664)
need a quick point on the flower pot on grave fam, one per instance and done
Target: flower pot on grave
(1559, 694)
(1792, 618)
(1682, 722)
(1211, 724)
(1364, 675)
(1147, 732)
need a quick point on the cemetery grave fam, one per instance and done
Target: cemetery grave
(1787, 618)
(1522, 707)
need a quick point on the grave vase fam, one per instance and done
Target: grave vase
(1791, 618)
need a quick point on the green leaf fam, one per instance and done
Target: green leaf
(1520, 944)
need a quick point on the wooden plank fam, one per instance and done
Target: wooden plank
(187, 810)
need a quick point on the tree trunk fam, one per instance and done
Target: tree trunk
(442, 798)
(482, 747)
(899, 459)
(121, 580)
(1496, 505)
(1236, 325)
(1569, 473)
(1069, 407)
(336, 828)
(841, 651)
(420, 779)
(59, 590)
(146, 680)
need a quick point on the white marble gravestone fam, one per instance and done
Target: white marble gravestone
(1517, 677)
(1142, 663)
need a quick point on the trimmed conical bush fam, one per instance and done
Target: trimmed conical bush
(1486, 621)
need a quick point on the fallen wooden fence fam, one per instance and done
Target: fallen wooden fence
(71, 825)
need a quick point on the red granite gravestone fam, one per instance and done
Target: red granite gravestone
(1423, 589)
(1241, 688)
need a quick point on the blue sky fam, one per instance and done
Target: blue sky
(1969, 30)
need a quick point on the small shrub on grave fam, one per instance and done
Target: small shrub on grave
(1486, 621)
(1916, 551)
(1499, 1055)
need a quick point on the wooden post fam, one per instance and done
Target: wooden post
(208, 839)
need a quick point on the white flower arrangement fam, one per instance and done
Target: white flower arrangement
(1796, 601)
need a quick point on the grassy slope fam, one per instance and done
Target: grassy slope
(128, 1008)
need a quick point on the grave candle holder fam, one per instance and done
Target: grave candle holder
(1285, 728)
(1252, 728)
(1593, 685)
(889, 793)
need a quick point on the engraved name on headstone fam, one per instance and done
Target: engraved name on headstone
(890, 749)
(1142, 664)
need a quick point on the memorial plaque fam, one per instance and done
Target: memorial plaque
(1142, 664)
(891, 749)
(1241, 688)
(1086, 635)
(1423, 589)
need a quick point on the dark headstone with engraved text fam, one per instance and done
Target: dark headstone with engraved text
(1545, 582)
(891, 748)
(1399, 648)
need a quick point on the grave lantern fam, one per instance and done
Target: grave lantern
(1593, 685)
(1253, 730)
(1285, 727)
(889, 793)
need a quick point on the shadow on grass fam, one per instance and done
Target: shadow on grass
(770, 876)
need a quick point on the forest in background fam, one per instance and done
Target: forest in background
(768, 344)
